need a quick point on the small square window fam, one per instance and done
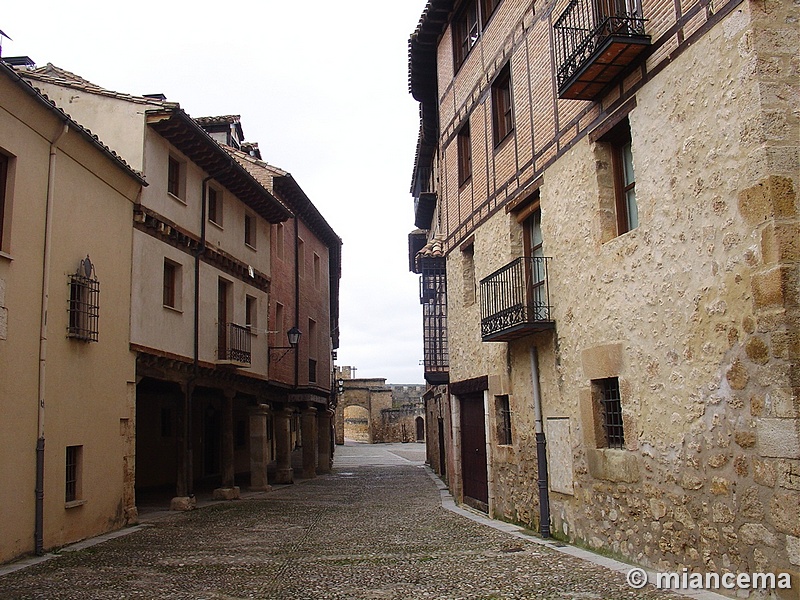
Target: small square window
(74, 474)
(84, 303)
(214, 206)
(172, 284)
(610, 411)
(503, 420)
(250, 230)
(175, 177)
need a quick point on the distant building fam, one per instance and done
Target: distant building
(606, 234)
(67, 374)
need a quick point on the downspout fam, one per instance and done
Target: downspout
(296, 298)
(38, 533)
(541, 449)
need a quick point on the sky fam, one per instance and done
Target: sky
(321, 86)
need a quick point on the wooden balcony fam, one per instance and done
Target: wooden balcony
(515, 300)
(233, 348)
(433, 297)
(596, 43)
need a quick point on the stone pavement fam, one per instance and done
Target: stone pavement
(379, 527)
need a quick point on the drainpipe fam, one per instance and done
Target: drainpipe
(296, 298)
(541, 449)
(38, 533)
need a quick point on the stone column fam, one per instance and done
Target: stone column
(310, 442)
(283, 446)
(228, 491)
(324, 457)
(259, 448)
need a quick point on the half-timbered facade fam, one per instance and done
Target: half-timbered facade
(610, 188)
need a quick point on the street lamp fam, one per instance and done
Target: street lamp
(294, 337)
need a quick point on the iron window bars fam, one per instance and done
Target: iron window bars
(84, 303)
(234, 343)
(611, 408)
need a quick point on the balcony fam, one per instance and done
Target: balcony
(233, 348)
(515, 300)
(596, 42)
(433, 297)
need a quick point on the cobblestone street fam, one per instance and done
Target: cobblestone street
(376, 528)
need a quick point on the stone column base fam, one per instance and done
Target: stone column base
(284, 476)
(183, 503)
(229, 493)
(131, 515)
(260, 488)
(309, 473)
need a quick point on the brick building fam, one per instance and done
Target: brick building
(607, 224)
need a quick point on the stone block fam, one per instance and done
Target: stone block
(780, 242)
(613, 465)
(785, 512)
(737, 375)
(755, 534)
(778, 438)
(231, 493)
(601, 362)
(183, 503)
(757, 351)
(772, 198)
(775, 287)
(793, 549)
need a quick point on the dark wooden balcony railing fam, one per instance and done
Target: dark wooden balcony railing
(515, 300)
(596, 42)
(234, 345)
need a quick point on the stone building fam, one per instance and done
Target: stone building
(67, 373)
(370, 410)
(224, 387)
(607, 225)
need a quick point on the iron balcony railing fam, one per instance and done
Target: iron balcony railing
(234, 344)
(586, 25)
(515, 300)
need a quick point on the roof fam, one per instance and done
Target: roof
(183, 132)
(44, 101)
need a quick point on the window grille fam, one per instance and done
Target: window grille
(503, 421)
(612, 412)
(84, 303)
(72, 471)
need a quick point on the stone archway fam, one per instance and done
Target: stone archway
(357, 424)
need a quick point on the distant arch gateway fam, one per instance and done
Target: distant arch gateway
(371, 411)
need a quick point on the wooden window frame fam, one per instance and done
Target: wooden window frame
(73, 479)
(251, 312)
(171, 292)
(502, 106)
(4, 167)
(464, 150)
(466, 31)
(250, 232)
(215, 206)
(174, 174)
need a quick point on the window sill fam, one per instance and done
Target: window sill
(253, 248)
(6, 256)
(217, 225)
(74, 504)
(500, 144)
(173, 309)
(178, 198)
(464, 183)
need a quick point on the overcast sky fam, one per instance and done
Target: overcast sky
(321, 86)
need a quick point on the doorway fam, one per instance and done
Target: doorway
(473, 452)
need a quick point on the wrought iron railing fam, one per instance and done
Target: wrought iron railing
(584, 26)
(84, 303)
(515, 295)
(234, 343)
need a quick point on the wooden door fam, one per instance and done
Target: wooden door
(473, 452)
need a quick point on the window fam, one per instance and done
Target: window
(172, 284)
(250, 230)
(84, 303)
(503, 412)
(312, 351)
(4, 160)
(214, 206)
(464, 149)
(502, 112)
(279, 327)
(251, 312)
(73, 491)
(175, 178)
(317, 271)
(280, 241)
(301, 258)
(617, 142)
(465, 32)
(468, 271)
(312, 370)
(487, 9)
(607, 391)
